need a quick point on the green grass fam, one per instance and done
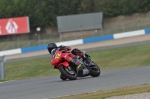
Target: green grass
(122, 57)
(109, 93)
(108, 59)
(29, 68)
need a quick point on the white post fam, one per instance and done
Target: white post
(2, 67)
(38, 30)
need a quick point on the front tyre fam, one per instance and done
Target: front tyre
(62, 77)
(68, 72)
(95, 71)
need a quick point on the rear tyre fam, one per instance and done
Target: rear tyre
(68, 72)
(95, 71)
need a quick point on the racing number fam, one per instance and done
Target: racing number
(57, 55)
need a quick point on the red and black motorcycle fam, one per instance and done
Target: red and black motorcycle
(69, 70)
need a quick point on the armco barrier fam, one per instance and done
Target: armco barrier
(33, 48)
(10, 52)
(147, 31)
(97, 39)
(69, 43)
(129, 34)
(77, 42)
(44, 47)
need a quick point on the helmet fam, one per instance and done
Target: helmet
(51, 46)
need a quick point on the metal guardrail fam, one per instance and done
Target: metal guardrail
(2, 67)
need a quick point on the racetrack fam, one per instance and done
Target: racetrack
(43, 88)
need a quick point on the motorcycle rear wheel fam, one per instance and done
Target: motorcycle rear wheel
(69, 73)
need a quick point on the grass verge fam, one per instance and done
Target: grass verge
(109, 93)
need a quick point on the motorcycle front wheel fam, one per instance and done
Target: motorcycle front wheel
(62, 77)
(68, 72)
(95, 71)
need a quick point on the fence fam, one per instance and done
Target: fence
(34, 39)
(2, 67)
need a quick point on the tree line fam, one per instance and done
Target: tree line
(43, 13)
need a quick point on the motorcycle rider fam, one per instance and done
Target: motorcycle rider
(52, 48)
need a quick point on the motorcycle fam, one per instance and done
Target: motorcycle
(69, 70)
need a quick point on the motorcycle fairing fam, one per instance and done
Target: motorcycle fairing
(92, 63)
(65, 63)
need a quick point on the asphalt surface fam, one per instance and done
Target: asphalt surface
(47, 87)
